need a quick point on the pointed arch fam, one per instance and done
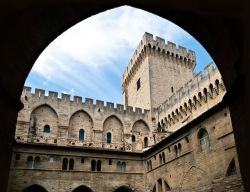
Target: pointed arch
(110, 124)
(44, 105)
(35, 188)
(231, 170)
(80, 126)
(203, 139)
(43, 121)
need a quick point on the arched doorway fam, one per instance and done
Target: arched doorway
(82, 188)
(35, 188)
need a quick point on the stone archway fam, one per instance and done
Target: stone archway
(221, 28)
(35, 188)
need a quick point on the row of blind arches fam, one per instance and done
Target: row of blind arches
(182, 111)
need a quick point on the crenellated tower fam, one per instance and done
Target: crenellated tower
(155, 71)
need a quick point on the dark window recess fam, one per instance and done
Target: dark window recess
(109, 138)
(82, 160)
(172, 89)
(46, 129)
(71, 164)
(110, 161)
(138, 84)
(133, 138)
(93, 164)
(17, 157)
(99, 165)
(65, 164)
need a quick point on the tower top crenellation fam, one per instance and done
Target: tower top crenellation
(158, 44)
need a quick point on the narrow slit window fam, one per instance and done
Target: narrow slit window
(138, 84)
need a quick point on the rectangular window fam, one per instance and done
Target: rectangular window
(138, 84)
(110, 161)
(172, 89)
(82, 160)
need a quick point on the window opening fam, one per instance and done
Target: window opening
(93, 164)
(71, 164)
(110, 161)
(37, 162)
(109, 138)
(65, 164)
(29, 163)
(46, 129)
(204, 140)
(145, 142)
(133, 138)
(81, 135)
(99, 165)
(18, 157)
(138, 84)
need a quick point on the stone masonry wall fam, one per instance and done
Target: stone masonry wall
(193, 168)
(66, 117)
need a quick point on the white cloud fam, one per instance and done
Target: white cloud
(88, 54)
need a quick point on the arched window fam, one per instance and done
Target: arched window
(37, 163)
(160, 159)
(163, 157)
(123, 166)
(179, 149)
(29, 163)
(119, 167)
(65, 164)
(71, 164)
(176, 151)
(133, 138)
(231, 170)
(93, 164)
(145, 142)
(109, 138)
(81, 135)
(46, 129)
(203, 139)
(99, 165)
(150, 164)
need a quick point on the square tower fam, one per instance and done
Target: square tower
(155, 72)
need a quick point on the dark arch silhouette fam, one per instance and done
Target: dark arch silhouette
(82, 188)
(215, 33)
(35, 188)
(123, 189)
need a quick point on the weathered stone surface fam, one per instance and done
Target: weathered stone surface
(150, 149)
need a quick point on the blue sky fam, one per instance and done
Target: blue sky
(89, 59)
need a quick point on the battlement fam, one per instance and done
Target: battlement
(158, 44)
(196, 84)
(52, 96)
